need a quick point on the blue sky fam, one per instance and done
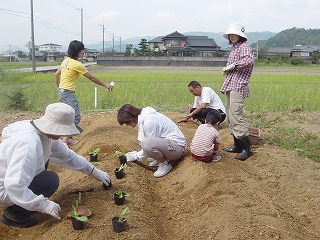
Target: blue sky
(59, 21)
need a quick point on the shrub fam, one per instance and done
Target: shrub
(297, 61)
(17, 101)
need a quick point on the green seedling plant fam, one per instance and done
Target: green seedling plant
(118, 153)
(79, 200)
(123, 213)
(74, 212)
(75, 215)
(94, 152)
(122, 166)
(121, 194)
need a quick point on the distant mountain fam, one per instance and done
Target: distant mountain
(294, 36)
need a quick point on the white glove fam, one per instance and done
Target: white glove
(131, 156)
(101, 176)
(228, 68)
(53, 209)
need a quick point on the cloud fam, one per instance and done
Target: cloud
(105, 16)
(164, 15)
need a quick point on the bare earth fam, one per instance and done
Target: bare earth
(273, 195)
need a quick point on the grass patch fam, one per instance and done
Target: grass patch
(304, 143)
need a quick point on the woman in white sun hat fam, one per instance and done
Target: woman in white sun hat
(235, 87)
(25, 182)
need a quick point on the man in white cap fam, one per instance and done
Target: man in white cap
(25, 183)
(238, 72)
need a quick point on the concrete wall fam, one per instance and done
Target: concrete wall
(161, 61)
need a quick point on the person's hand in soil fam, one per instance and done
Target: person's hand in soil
(131, 156)
(101, 176)
(53, 209)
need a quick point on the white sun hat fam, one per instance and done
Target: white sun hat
(235, 28)
(58, 120)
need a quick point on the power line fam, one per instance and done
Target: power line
(45, 23)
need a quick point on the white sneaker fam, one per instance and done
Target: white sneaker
(216, 158)
(163, 169)
(155, 163)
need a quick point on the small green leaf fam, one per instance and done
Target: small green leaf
(118, 153)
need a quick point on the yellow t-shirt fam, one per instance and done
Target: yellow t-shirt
(70, 72)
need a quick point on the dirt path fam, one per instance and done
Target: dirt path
(273, 195)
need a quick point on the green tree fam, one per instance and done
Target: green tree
(128, 50)
(143, 47)
(315, 58)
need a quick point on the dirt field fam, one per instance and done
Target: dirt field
(273, 195)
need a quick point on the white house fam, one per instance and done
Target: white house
(50, 47)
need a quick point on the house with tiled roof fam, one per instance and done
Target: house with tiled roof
(178, 44)
(304, 51)
(156, 43)
(273, 51)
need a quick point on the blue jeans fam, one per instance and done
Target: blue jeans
(69, 97)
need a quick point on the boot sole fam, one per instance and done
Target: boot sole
(231, 150)
(244, 158)
(29, 223)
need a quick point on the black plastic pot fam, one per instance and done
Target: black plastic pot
(122, 159)
(105, 187)
(119, 174)
(77, 224)
(119, 201)
(93, 158)
(118, 226)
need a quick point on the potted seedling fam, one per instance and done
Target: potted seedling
(119, 172)
(119, 197)
(121, 156)
(105, 187)
(94, 155)
(77, 219)
(79, 215)
(119, 222)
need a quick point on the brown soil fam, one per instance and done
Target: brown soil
(273, 195)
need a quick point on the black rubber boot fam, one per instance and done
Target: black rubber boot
(236, 148)
(246, 152)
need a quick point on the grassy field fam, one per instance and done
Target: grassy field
(166, 89)
(276, 90)
(16, 65)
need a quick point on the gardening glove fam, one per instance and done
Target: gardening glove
(131, 156)
(53, 209)
(229, 68)
(101, 176)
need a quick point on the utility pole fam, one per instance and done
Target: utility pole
(10, 52)
(258, 49)
(120, 43)
(103, 37)
(32, 40)
(113, 43)
(81, 9)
